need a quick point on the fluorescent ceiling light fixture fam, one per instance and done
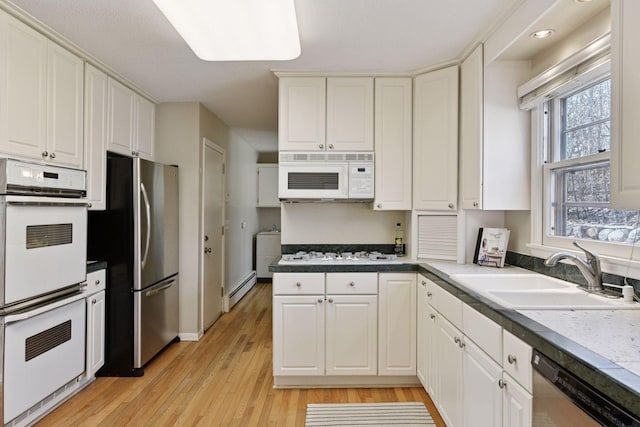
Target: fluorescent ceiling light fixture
(541, 34)
(236, 30)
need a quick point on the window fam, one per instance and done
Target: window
(577, 140)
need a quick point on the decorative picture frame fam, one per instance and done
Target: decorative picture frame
(491, 247)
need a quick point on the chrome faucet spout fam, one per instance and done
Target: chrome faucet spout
(590, 268)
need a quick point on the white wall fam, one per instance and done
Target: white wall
(342, 223)
(241, 208)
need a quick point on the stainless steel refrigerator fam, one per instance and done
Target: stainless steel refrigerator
(138, 237)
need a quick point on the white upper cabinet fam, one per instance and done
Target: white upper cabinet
(625, 104)
(95, 136)
(301, 113)
(324, 114)
(267, 186)
(131, 122)
(41, 92)
(494, 135)
(350, 113)
(393, 149)
(435, 140)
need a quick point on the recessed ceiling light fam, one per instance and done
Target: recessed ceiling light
(232, 30)
(541, 34)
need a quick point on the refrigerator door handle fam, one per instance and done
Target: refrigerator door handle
(148, 215)
(158, 290)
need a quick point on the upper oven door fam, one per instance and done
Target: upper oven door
(307, 180)
(45, 245)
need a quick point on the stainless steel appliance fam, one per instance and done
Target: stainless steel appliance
(562, 399)
(332, 258)
(42, 310)
(138, 237)
(326, 176)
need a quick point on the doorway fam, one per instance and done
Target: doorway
(213, 219)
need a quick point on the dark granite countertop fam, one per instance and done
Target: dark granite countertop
(95, 266)
(614, 381)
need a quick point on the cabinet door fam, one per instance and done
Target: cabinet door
(625, 104)
(23, 91)
(145, 122)
(64, 106)
(95, 136)
(301, 113)
(268, 186)
(449, 399)
(471, 137)
(431, 353)
(517, 404)
(393, 147)
(352, 331)
(121, 113)
(95, 332)
(397, 324)
(482, 395)
(435, 140)
(421, 327)
(350, 113)
(298, 335)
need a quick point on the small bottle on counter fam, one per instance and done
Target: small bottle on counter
(398, 244)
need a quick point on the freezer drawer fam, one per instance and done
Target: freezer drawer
(156, 319)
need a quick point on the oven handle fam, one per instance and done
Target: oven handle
(11, 318)
(148, 215)
(49, 204)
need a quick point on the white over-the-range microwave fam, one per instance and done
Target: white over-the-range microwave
(326, 176)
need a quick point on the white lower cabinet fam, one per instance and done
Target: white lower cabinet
(476, 373)
(95, 332)
(397, 324)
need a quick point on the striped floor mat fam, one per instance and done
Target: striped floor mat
(368, 414)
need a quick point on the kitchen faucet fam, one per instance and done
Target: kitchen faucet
(590, 268)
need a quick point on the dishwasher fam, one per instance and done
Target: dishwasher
(562, 399)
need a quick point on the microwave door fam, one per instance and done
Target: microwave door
(309, 181)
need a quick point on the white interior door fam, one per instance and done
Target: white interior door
(213, 232)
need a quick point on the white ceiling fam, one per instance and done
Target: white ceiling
(133, 38)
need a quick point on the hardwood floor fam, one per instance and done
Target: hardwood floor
(225, 379)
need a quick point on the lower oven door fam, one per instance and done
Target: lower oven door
(42, 352)
(45, 246)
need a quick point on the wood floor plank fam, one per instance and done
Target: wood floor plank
(225, 379)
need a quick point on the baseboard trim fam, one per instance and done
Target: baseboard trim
(191, 336)
(239, 290)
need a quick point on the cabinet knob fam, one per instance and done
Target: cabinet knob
(89, 205)
(432, 316)
(330, 299)
(423, 283)
(352, 284)
(97, 282)
(52, 155)
(429, 294)
(456, 340)
(511, 359)
(501, 383)
(475, 204)
(451, 205)
(320, 300)
(298, 284)
(330, 146)
(93, 301)
(379, 206)
(45, 153)
(321, 146)
(461, 344)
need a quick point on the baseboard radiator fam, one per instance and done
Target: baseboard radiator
(240, 289)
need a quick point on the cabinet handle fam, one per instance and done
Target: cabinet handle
(475, 204)
(298, 284)
(432, 316)
(320, 300)
(511, 359)
(501, 383)
(451, 205)
(352, 284)
(45, 153)
(330, 299)
(429, 294)
(321, 146)
(330, 146)
(93, 301)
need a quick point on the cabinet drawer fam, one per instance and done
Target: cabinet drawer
(96, 281)
(449, 306)
(516, 359)
(298, 283)
(352, 283)
(483, 331)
